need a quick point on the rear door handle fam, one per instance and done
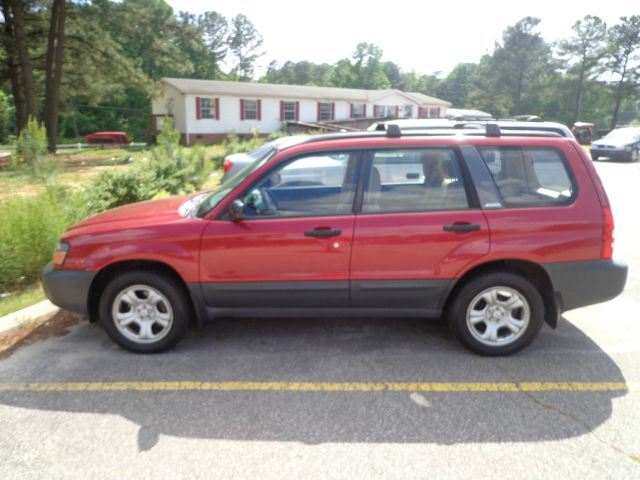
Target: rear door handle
(323, 232)
(461, 227)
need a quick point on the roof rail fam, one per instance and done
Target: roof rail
(492, 131)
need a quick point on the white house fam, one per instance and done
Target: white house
(204, 111)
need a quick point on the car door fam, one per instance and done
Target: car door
(418, 227)
(292, 246)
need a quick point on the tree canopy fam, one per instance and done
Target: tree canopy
(101, 62)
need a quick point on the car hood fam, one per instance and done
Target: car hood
(155, 211)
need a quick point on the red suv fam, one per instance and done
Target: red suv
(498, 232)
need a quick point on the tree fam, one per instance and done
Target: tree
(367, 68)
(455, 86)
(19, 60)
(53, 71)
(244, 43)
(586, 48)
(215, 31)
(521, 66)
(624, 43)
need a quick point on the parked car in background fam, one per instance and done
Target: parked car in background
(496, 231)
(107, 138)
(619, 144)
(235, 162)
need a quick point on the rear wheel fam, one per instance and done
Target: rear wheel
(497, 314)
(144, 312)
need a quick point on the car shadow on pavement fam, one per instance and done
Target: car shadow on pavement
(321, 350)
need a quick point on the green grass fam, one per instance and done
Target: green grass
(21, 299)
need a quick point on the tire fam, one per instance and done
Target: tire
(594, 157)
(634, 156)
(144, 312)
(497, 314)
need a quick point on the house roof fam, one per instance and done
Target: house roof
(254, 89)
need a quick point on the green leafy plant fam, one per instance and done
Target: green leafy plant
(32, 153)
(29, 231)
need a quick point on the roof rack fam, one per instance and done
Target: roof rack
(489, 130)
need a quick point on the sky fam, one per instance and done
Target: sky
(424, 36)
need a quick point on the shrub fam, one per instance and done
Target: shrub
(32, 152)
(29, 231)
(112, 189)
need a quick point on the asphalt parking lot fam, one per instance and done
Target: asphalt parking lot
(367, 398)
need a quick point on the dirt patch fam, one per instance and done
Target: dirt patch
(57, 326)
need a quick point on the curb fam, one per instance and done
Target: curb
(36, 313)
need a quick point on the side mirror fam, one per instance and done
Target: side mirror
(236, 210)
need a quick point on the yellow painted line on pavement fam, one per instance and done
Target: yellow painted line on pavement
(440, 387)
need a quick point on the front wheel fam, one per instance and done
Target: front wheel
(594, 157)
(144, 312)
(497, 314)
(634, 156)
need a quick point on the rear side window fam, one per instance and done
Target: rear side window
(414, 181)
(529, 176)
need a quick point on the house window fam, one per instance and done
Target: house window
(207, 108)
(408, 111)
(326, 111)
(250, 110)
(289, 111)
(389, 111)
(429, 112)
(358, 110)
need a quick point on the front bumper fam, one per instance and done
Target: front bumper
(613, 154)
(578, 284)
(68, 289)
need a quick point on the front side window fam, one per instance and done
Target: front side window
(529, 176)
(313, 185)
(414, 181)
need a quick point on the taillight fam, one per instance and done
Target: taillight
(607, 233)
(227, 164)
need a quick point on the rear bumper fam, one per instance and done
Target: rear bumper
(68, 289)
(578, 284)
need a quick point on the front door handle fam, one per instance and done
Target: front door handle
(461, 227)
(323, 232)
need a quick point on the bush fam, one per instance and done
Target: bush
(112, 189)
(29, 231)
(32, 152)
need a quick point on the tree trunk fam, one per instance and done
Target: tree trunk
(618, 95)
(12, 67)
(578, 110)
(53, 71)
(28, 85)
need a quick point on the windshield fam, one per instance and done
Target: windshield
(214, 198)
(624, 135)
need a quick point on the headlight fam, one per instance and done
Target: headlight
(61, 253)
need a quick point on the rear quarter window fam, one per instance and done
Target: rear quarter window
(530, 176)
